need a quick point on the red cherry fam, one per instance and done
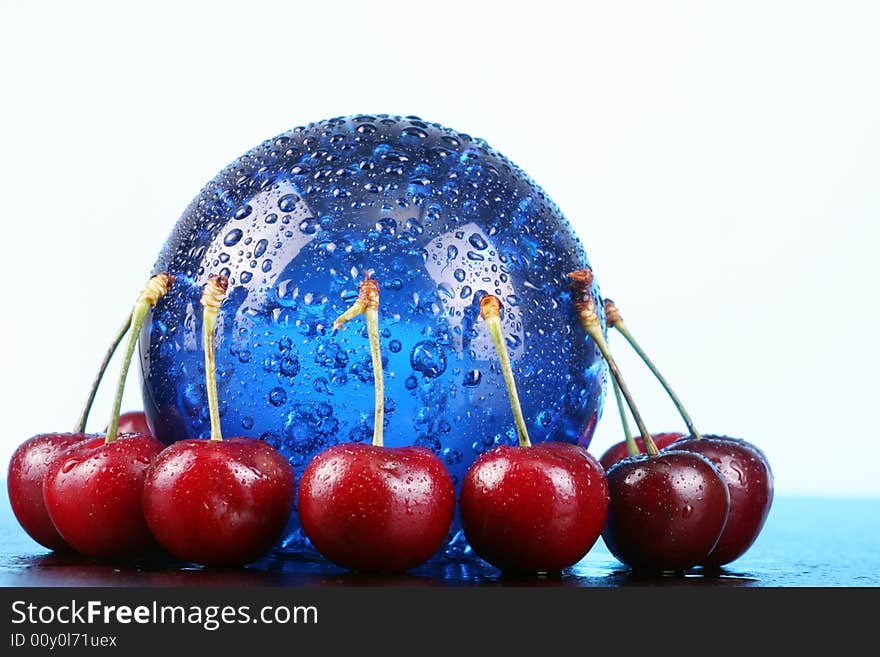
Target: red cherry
(134, 422)
(618, 451)
(534, 509)
(31, 460)
(93, 495)
(218, 502)
(750, 483)
(667, 511)
(24, 483)
(667, 508)
(744, 467)
(93, 490)
(530, 508)
(373, 508)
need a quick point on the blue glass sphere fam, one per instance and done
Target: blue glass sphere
(439, 219)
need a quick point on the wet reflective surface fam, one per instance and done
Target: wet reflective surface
(440, 219)
(806, 542)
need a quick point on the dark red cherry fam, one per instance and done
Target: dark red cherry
(618, 451)
(667, 511)
(750, 484)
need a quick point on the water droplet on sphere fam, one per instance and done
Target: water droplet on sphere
(277, 396)
(287, 203)
(476, 240)
(472, 378)
(428, 358)
(233, 236)
(242, 212)
(290, 366)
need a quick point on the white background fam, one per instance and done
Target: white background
(721, 162)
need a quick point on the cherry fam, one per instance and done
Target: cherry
(618, 451)
(92, 491)
(667, 509)
(750, 483)
(371, 507)
(93, 494)
(221, 502)
(134, 422)
(538, 509)
(745, 468)
(218, 502)
(30, 461)
(531, 508)
(24, 483)
(375, 508)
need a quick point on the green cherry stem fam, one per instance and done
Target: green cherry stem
(212, 298)
(108, 355)
(582, 296)
(367, 304)
(613, 319)
(631, 447)
(490, 311)
(154, 290)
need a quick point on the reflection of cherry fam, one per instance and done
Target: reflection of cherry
(371, 507)
(744, 467)
(93, 490)
(27, 468)
(531, 508)
(667, 509)
(218, 502)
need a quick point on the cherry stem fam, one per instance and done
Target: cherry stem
(84, 416)
(616, 321)
(581, 284)
(631, 447)
(490, 311)
(212, 298)
(367, 304)
(154, 290)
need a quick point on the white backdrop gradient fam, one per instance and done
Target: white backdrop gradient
(720, 161)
